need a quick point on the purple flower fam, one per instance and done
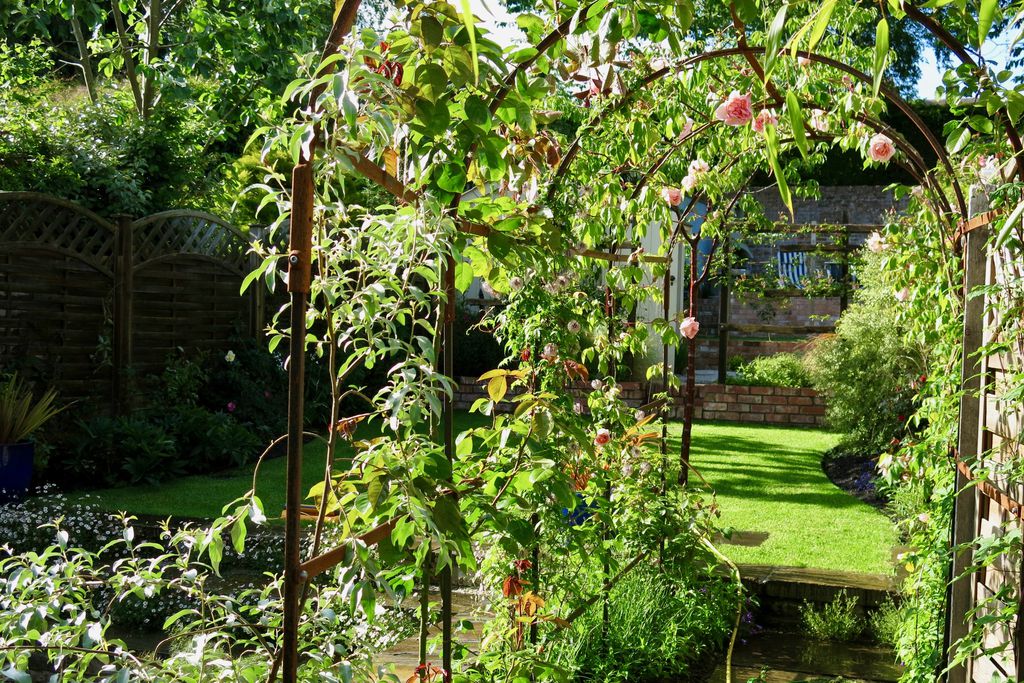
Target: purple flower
(231, 406)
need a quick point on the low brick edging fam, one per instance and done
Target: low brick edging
(800, 407)
(794, 406)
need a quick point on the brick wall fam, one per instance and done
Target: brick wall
(763, 405)
(773, 405)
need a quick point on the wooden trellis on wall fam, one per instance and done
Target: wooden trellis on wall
(87, 303)
(990, 434)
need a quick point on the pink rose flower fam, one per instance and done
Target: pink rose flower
(876, 243)
(689, 182)
(603, 437)
(765, 117)
(689, 327)
(672, 196)
(881, 149)
(699, 167)
(737, 110)
(231, 406)
(903, 295)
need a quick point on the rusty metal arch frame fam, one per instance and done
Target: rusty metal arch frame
(299, 267)
(753, 52)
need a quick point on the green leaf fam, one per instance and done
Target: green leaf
(747, 10)
(881, 54)
(238, 535)
(1011, 220)
(430, 30)
(796, 120)
(17, 676)
(463, 276)
(986, 15)
(467, 19)
(452, 178)
(780, 176)
(774, 40)
(821, 24)
(958, 139)
(432, 81)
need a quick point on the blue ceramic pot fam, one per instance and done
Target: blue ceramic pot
(16, 463)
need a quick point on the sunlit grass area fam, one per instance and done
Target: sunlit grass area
(770, 479)
(767, 479)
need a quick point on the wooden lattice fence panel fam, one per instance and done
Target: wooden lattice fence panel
(56, 293)
(990, 596)
(86, 304)
(187, 270)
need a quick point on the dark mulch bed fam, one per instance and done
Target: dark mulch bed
(854, 474)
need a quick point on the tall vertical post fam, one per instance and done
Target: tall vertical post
(448, 428)
(121, 342)
(844, 295)
(299, 256)
(965, 504)
(723, 315)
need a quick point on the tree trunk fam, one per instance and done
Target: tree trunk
(691, 375)
(84, 60)
(129, 58)
(152, 53)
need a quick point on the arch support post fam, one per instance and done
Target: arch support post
(960, 599)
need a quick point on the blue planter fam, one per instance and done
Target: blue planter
(16, 461)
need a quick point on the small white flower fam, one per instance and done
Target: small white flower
(639, 415)
(230, 356)
(256, 515)
(597, 385)
(516, 283)
(573, 327)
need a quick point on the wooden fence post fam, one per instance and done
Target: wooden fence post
(723, 315)
(121, 343)
(965, 505)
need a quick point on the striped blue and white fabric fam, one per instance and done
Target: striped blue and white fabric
(792, 267)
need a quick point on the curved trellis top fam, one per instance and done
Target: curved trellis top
(551, 47)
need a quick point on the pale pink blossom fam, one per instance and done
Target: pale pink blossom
(880, 148)
(603, 437)
(672, 196)
(699, 167)
(765, 117)
(515, 282)
(689, 327)
(903, 295)
(876, 243)
(687, 128)
(737, 110)
(597, 385)
(573, 327)
(659, 63)
(689, 182)
(550, 353)
(803, 61)
(819, 121)
(988, 172)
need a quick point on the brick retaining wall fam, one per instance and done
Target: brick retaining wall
(763, 405)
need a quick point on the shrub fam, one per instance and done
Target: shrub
(838, 620)
(780, 370)
(103, 156)
(886, 623)
(659, 625)
(866, 370)
(127, 449)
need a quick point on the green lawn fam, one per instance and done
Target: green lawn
(767, 479)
